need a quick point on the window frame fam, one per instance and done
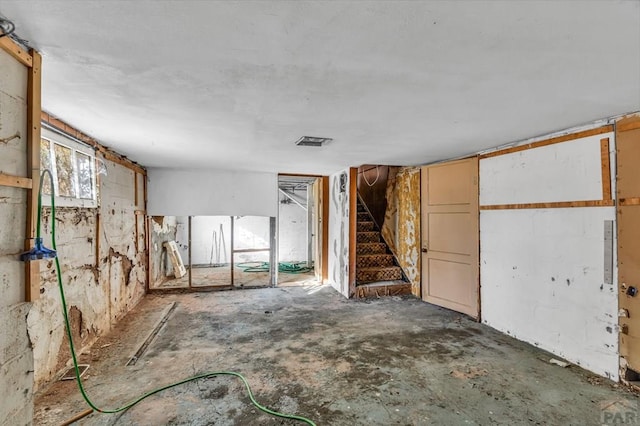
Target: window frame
(74, 146)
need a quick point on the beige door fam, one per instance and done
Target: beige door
(628, 188)
(450, 236)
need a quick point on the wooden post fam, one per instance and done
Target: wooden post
(353, 236)
(34, 109)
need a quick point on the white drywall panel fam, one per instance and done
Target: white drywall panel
(567, 171)
(182, 192)
(292, 230)
(339, 233)
(542, 281)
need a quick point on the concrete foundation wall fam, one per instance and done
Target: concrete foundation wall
(103, 271)
(16, 357)
(542, 270)
(339, 233)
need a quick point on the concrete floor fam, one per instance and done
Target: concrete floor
(309, 351)
(221, 277)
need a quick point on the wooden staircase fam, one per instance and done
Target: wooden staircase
(377, 273)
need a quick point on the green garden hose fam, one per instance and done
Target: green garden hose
(285, 267)
(154, 391)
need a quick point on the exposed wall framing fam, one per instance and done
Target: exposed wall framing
(605, 163)
(106, 152)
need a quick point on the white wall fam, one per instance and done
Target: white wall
(292, 230)
(339, 234)
(210, 240)
(182, 192)
(542, 270)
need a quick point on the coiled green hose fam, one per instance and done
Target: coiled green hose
(73, 351)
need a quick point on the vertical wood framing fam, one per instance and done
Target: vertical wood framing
(147, 236)
(325, 228)
(353, 217)
(606, 169)
(34, 109)
(18, 53)
(232, 247)
(273, 252)
(189, 251)
(628, 223)
(135, 189)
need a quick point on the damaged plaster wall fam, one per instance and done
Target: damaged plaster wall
(542, 270)
(16, 357)
(339, 231)
(99, 291)
(162, 229)
(401, 226)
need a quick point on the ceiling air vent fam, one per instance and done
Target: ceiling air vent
(312, 141)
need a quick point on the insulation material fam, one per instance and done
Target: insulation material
(542, 270)
(339, 231)
(401, 227)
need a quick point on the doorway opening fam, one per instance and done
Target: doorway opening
(300, 230)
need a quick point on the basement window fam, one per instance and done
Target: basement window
(73, 167)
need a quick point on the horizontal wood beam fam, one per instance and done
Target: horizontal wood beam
(250, 250)
(629, 201)
(13, 49)
(628, 123)
(106, 153)
(551, 141)
(15, 181)
(551, 205)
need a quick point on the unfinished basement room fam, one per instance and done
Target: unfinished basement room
(349, 212)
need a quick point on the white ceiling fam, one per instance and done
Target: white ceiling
(232, 85)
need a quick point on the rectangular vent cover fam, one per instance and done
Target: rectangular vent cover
(312, 141)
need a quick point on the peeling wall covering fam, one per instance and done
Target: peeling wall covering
(401, 227)
(16, 357)
(339, 233)
(99, 291)
(162, 229)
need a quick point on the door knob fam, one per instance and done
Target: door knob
(424, 250)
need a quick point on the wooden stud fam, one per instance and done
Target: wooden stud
(606, 169)
(135, 189)
(628, 123)
(34, 109)
(232, 245)
(189, 250)
(15, 181)
(106, 152)
(629, 201)
(550, 205)
(13, 49)
(558, 139)
(97, 240)
(325, 228)
(353, 217)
